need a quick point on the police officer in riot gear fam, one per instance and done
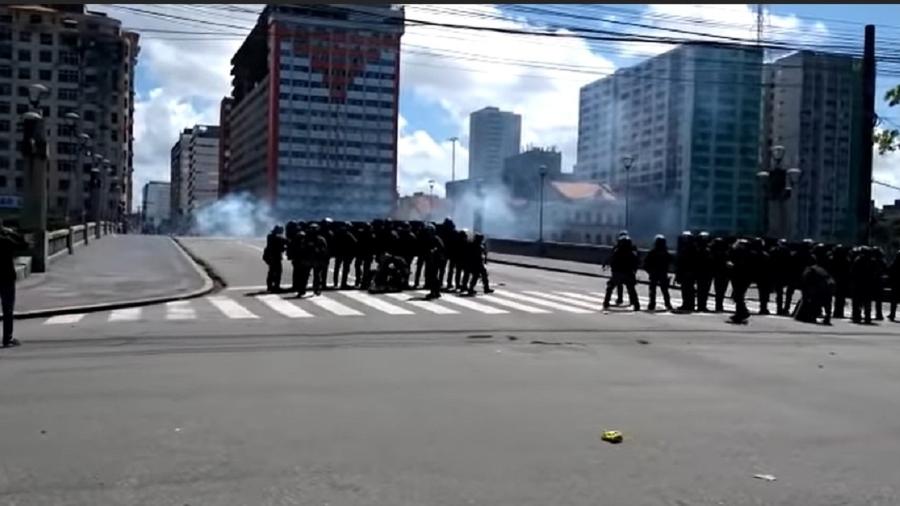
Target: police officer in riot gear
(345, 245)
(624, 264)
(704, 274)
(434, 262)
(320, 255)
(685, 271)
(657, 263)
(272, 256)
(719, 264)
(740, 264)
(780, 262)
(474, 266)
(762, 273)
(839, 268)
(893, 275)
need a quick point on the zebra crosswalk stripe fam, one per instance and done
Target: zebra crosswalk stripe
(180, 310)
(282, 306)
(586, 298)
(129, 314)
(564, 300)
(376, 303)
(542, 302)
(334, 306)
(64, 319)
(230, 308)
(423, 304)
(470, 304)
(514, 305)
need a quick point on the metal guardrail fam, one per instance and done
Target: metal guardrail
(64, 240)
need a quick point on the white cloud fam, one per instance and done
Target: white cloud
(422, 159)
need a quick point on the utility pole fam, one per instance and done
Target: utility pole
(863, 202)
(34, 150)
(453, 158)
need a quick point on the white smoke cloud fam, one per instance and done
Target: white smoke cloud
(239, 215)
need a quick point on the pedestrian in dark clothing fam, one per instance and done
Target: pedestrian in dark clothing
(740, 264)
(879, 278)
(780, 262)
(272, 256)
(719, 265)
(623, 264)
(704, 273)
(343, 251)
(657, 263)
(839, 268)
(436, 259)
(762, 273)
(685, 271)
(894, 284)
(11, 243)
(862, 281)
(320, 256)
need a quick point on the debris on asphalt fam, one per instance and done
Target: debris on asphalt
(643, 341)
(43, 431)
(480, 336)
(549, 343)
(821, 366)
(512, 338)
(766, 477)
(612, 436)
(832, 353)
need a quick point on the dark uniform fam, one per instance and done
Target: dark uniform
(817, 290)
(894, 284)
(319, 253)
(421, 254)
(685, 269)
(780, 262)
(365, 244)
(474, 265)
(704, 273)
(657, 263)
(719, 264)
(800, 260)
(343, 252)
(839, 268)
(862, 280)
(624, 264)
(880, 281)
(436, 259)
(11, 243)
(762, 273)
(740, 263)
(272, 256)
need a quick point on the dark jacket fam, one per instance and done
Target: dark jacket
(657, 263)
(11, 243)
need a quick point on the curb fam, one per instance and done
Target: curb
(209, 285)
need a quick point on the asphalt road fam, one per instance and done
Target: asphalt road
(202, 404)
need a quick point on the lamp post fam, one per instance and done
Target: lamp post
(627, 162)
(542, 172)
(431, 200)
(453, 158)
(34, 150)
(777, 188)
(72, 119)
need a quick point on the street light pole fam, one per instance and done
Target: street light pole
(777, 186)
(431, 200)
(543, 173)
(627, 161)
(453, 158)
(34, 150)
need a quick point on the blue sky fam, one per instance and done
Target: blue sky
(448, 74)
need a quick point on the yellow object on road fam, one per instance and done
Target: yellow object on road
(612, 436)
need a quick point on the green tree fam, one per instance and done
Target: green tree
(889, 139)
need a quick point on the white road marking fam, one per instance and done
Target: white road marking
(565, 300)
(257, 287)
(374, 302)
(469, 304)
(334, 306)
(282, 306)
(180, 310)
(230, 308)
(125, 315)
(513, 305)
(542, 302)
(64, 319)
(423, 304)
(588, 298)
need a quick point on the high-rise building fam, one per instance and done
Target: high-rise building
(522, 173)
(813, 109)
(313, 123)
(87, 61)
(195, 171)
(224, 145)
(155, 207)
(494, 136)
(690, 118)
(179, 165)
(203, 168)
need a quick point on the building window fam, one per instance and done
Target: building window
(68, 58)
(23, 91)
(45, 75)
(24, 55)
(47, 39)
(24, 73)
(63, 184)
(24, 36)
(5, 71)
(68, 76)
(5, 52)
(21, 108)
(46, 56)
(4, 125)
(18, 183)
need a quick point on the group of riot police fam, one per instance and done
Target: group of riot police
(823, 275)
(381, 254)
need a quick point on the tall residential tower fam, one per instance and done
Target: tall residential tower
(494, 136)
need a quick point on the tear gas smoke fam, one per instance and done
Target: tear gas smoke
(240, 215)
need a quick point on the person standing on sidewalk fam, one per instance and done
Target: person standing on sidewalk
(11, 242)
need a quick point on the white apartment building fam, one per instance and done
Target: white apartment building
(690, 118)
(494, 136)
(203, 168)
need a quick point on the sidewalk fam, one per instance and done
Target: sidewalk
(114, 271)
(550, 264)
